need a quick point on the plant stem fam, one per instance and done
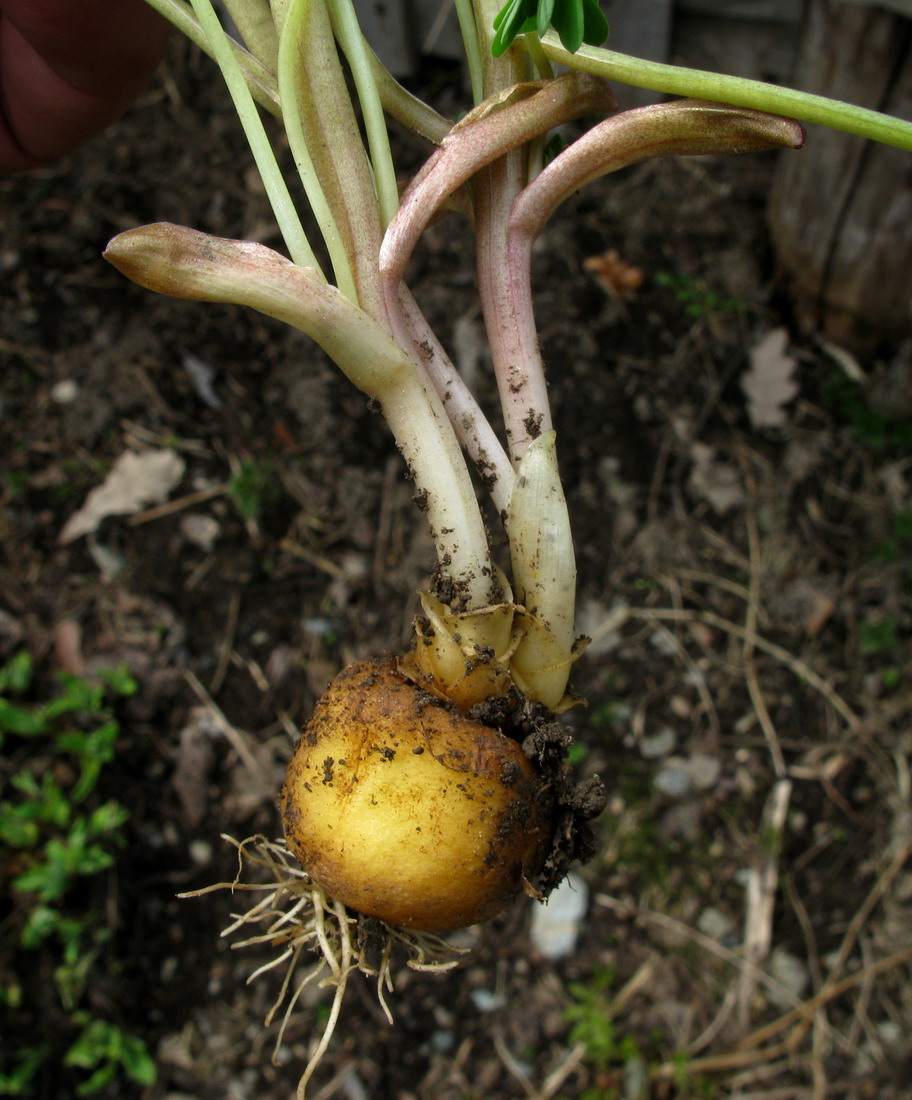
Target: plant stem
(321, 123)
(185, 263)
(470, 424)
(260, 80)
(287, 217)
(472, 46)
(736, 90)
(347, 30)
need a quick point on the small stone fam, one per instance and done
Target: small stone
(556, 924)
(200, 529)
(658, 744)
(790, 972)
(703, 771)
(673, 780)
(714, 923)
(486, 1001)
(201, 852)
(65, 392)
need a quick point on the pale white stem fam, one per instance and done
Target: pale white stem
(541, 545)
(472, 427)
(185, 263)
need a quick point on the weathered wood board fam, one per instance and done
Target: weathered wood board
(841, 210)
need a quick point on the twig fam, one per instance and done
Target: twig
(860, 919)
(651, 916)
(761, 893)
(750, 625)
(800, 668)
(802, 1013)
(235, 737)
(513, 1067)
(557, 1076)
(227, 643)
(172, 506)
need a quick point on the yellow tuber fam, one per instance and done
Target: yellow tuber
(403, 809)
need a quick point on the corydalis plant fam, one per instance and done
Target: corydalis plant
(481, 632)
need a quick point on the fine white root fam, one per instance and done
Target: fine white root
(296, 918)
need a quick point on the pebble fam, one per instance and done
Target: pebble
(65, 392)
(556, 924)
(791, 972)
(200, 529)
(658, 744)
(714, 923)
(673, 779)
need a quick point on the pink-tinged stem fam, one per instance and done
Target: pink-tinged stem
(682, 128)
(487, 133)
(472, 427)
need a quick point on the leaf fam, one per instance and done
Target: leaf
(568, 21)
(135, 481)
(769, 384)
(714, 480)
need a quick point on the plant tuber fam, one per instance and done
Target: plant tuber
(407, 810)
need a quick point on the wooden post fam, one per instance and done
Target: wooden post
(841, 209)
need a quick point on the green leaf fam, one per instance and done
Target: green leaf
(595, 25)
(120, 680)
(18, 720)
(137, 1061)
(78, 694)
(543, 19)
(16, 831)
(516, 17)
(27, 1063)
(568, 21)
(16, 675)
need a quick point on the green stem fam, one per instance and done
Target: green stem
(260, 80)
(736, 90)
(347, 30)
(287, 217)
(253, 18)
(472, 47)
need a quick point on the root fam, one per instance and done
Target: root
(298, 919)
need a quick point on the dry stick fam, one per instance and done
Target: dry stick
(801, 1013)
(227, 643)
(178, 505)
(762, 885)
(697, 678)
(517, 1071)
(800, 668)
(750, 625)
(751, 1051)
(634, 984)
(860, 919)
(763, 876)
(556, 1077)
(235, 737)
(651, 916)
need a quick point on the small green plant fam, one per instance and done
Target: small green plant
(252, 488)
(878, 637)
(55, 833)
(694, 297)
(592, 1024)
(848, 400)
(897, 546)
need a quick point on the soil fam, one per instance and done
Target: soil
(746, 586)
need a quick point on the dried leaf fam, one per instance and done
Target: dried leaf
(135, 481)
(770, 383)
(715, 481)
(614, 275)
